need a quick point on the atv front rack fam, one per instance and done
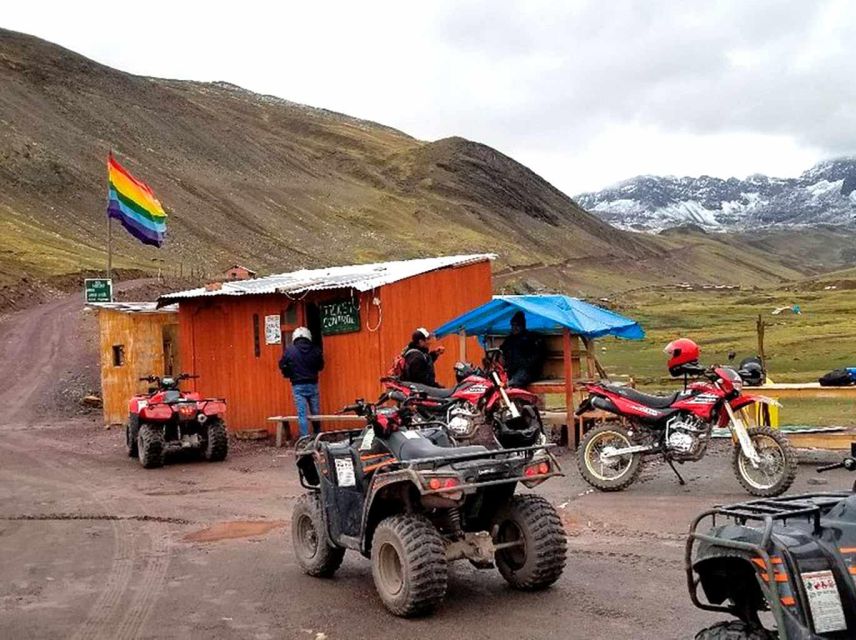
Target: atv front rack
(769, 511)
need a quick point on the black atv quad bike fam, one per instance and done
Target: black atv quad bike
(794, 556)
(411, 502)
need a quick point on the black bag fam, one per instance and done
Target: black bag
(836, 378)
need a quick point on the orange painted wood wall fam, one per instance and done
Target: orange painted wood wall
(217, 341)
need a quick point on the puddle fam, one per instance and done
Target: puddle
(234, 529)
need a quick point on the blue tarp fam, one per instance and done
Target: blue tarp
(544, 314)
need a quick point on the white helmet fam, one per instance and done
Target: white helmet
(301, 332)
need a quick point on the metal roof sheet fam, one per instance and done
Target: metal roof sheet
(362, 277)
(133, 307)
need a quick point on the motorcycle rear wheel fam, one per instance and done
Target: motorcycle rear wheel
(614, 474)
(778, 463)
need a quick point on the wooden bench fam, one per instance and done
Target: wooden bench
(283, 423)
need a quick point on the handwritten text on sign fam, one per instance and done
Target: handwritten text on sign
(339, 317)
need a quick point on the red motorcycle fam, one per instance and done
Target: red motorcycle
(169, 419)
(678, 428)
(479, 409)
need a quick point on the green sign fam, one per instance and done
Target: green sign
(98, 289)
(339, 317)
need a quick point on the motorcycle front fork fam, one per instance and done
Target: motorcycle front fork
(739, 429)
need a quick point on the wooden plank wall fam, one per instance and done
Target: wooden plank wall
(142, 337)
(217, 342)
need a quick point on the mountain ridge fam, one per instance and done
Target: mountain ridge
(277, 185)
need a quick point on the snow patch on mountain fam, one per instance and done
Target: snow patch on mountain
(823, 195)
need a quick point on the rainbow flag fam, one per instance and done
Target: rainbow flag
(133, 204)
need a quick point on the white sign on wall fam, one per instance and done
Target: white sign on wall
(273, 333)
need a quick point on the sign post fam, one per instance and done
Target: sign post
(98, 289)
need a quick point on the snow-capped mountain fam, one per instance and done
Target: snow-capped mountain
(823, 195)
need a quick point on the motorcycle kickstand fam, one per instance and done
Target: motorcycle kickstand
(681, 480)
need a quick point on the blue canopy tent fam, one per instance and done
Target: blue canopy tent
(544, 314)
(568, 317)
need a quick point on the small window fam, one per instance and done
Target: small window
(118, 355)
(257, 349)
(289, 316)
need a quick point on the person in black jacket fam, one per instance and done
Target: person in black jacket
(301, 363)
(523, 353)
(419, 359)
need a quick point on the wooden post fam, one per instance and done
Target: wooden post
(759, 326)
(570, 421)
(591, 357)
(462, 345)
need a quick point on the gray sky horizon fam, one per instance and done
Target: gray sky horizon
(584, 93)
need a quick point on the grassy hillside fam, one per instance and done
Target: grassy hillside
(277, 185)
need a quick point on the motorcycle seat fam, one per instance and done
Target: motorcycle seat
(411, 445)
(647, 399)
(432, 392)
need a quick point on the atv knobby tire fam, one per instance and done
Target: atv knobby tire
(132, 430)
(595, 437)
(409, 565)
(150, 446)
(217, 442)
(540, 558)
(734, 630)
(790, 463)
(315, 554)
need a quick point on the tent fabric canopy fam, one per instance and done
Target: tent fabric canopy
(544, 314)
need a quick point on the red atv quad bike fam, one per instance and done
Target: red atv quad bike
(168, 419)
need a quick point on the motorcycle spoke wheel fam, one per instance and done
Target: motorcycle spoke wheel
(607, 468)
(771, 466)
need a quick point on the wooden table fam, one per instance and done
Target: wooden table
(802, 390)
(283, 423)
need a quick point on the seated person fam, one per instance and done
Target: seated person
(419, 360)
(523, 353)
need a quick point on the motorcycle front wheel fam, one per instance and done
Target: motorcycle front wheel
(777, 468)
(607, 474)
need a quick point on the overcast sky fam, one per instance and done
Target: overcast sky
(584, 93)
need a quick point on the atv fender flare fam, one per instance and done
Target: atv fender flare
(395, 486)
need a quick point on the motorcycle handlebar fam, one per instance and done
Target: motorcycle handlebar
(830, 467)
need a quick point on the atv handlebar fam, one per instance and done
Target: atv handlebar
(847, 463)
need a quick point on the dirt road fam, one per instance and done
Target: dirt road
(94, 546)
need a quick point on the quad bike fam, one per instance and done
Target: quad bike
(480, 408)
(678, 427)
(793, 556)
(412, 503)
(168, 419)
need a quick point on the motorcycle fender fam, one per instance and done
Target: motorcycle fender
(521, 394)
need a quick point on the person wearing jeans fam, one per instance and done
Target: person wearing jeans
(301, 363)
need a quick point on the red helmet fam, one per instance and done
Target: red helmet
(681, 351)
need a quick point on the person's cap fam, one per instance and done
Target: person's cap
(420, 334)
(301, 332)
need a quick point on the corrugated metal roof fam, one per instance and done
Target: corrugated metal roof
(362, 277)
(133, 307)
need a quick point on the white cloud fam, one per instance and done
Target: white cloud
(585, 93)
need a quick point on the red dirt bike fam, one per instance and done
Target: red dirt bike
(480, 408)
(169, 419)
(678, 427)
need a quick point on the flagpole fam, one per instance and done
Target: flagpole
(109, 230)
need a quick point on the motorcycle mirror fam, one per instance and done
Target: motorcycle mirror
(731, 355)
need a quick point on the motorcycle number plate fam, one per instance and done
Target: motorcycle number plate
(345, 472)
(824, 601)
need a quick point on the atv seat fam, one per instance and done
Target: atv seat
(432, 392)
(411, 445)
(647, 399)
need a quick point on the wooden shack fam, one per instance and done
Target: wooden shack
(233, 334)
(136, 339)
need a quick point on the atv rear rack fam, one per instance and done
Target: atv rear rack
(768, 511)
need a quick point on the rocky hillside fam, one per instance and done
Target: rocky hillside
(276, 185)
(825, 195)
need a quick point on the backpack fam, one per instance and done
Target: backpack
(400, 364)
(836, 378)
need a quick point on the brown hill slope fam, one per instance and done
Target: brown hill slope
(275, 185)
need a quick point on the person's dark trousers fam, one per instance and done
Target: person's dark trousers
(308, 403)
